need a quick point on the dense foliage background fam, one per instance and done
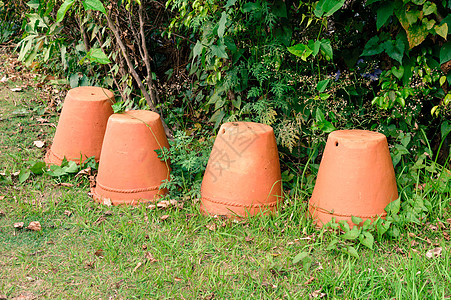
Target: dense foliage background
(304, 67)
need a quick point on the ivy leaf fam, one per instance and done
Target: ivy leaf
(250, 6)
(222, 23)
(356, 220)
(327, 7)
(97, 55)
(366, 239)
(94, 5)
(398, 72)
(416, 34)
(230, 3)
(445, 53)
(383, 14)
(442, 30)
(197, 50)
(63, 10)
(393, 207)
(352, 251)
(38, 167)
(445, 129)
(300, 257)
(352, 234)
(429, 8)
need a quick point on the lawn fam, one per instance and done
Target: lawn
(85, 250)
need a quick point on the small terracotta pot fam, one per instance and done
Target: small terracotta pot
(243, 172)
(355, 178)
(81, 126)
(129, 169)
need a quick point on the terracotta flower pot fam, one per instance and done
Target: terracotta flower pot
(243, 173)
(82, 124)
(129, 169)
(355, 178)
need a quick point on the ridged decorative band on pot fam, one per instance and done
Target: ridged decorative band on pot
(355, 178)
(129, 169)
(81, 126)
(243, 173)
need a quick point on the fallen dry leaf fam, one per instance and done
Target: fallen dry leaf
(99, 253)
(3, 297)
(163, 204)
(249, 239)
(87, 171)
(19, 225)
(310, 280)
(16, 89)
(108, 213)
(25, 296)
(150, 257)
(39, 144)
(34, 225)
(173, 202)
(2, 213)
(211, 226)
(2, 197)
(65, 184)
(151, 206)
(99, 220)
(317, 294)
(90, 265)
(107, 201)
(137, 266)
(436, 252)
(178, 279)
(68, 213)
(4, 79)
(164, 217)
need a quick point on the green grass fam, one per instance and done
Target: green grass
(139, 255)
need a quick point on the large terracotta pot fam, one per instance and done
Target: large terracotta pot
(129, 169)
(243, 173)
(355, 178)
(81, 126)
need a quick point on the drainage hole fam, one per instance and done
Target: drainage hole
(223, 131)
(336, 144)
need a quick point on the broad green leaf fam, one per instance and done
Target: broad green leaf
(356, 220)
(197, 50)
(56, 171)
(230, 3)
(372, 47)
(300, 50)
(219, 51)
(299, 257)
(327, 7)
(384, 13)
(417, 2)
(393, 207)
(445, 129)
(445, 53)
(327, 48)
(250, 6)
(94, 5)
(394, 49)
(24, 175)
(366, 239)
(352, 251)
(441, 30)
(222, 24)
(63, 10)
(38, 167)
(322, 85)
(34, 4)
(412, 16)
(97, 55)
(351, 234)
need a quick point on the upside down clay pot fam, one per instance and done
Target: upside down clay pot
(243, 173)
(129, 169)
(355, 178)
(81, 126)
